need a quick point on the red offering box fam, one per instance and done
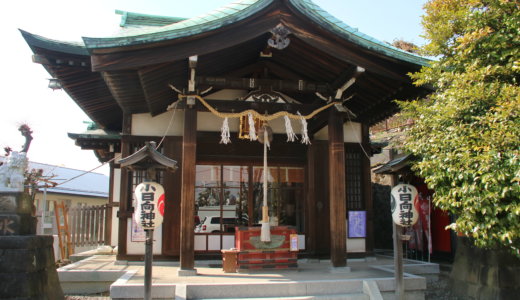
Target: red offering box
(255, 254)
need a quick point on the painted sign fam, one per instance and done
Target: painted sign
(149, 210)
(357, 224)
(404, 204)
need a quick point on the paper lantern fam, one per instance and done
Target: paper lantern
(404, 204)
(149, 210)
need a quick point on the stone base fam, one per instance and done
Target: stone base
(16, 214)
(339, 270)
(27, 269)
(182, 272)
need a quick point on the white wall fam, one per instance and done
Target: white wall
(355, 245)
(146, 125)
(351, 133)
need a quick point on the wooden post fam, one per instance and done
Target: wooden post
(310, 203)
(398, 249)
(148, 258)
(189, 148)
(124, 189)
(367, 193)
(337, 191)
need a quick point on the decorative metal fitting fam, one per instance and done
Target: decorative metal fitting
(279, 40)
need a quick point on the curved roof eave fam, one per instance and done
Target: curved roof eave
(218, 18)
(76, 48)
(331, 23)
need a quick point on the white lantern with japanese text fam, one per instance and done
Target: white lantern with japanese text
(149, 210)
(404, 204)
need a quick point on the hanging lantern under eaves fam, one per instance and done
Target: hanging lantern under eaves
(149, 210)
(404, 205)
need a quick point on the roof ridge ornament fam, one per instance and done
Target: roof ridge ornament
(279, 40)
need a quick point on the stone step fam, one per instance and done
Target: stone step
(321, 297)
(270, 265)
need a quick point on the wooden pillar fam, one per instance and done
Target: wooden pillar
(337, 190)
(367, 193)
(189, 148)
(124, 212)
(310, 203)
(109, 206)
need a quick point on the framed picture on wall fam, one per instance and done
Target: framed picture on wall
(138, 233)
(357, 220)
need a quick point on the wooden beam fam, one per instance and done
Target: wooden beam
(126, 88)
(189, 149)
(337, 191)
(226, 106)
(51, 61)
(256, 83)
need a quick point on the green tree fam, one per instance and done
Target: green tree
(467, 133)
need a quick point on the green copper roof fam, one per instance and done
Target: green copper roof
(137, 19)
(335, 25)
(148, 29)
(240, 10)
(218, 18)
(61, 46)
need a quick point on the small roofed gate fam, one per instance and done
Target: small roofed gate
(88, 225)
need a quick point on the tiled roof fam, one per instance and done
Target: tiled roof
(89, 184)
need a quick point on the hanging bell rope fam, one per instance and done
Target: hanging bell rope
(265, 231)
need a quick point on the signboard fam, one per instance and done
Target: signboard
(357, 224)
(404, 204)
(149, 210)
(294, 242)
(138, 233)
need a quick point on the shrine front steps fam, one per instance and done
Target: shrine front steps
(352, 289)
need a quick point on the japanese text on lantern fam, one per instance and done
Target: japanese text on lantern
(147, 206)
(404, 205)
(405, 214)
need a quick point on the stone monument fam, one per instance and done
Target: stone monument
(27, 268)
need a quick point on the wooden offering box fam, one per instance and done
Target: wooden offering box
(255, 254)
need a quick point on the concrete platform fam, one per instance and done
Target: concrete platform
(314, 279)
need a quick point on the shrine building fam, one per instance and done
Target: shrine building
(204, 89)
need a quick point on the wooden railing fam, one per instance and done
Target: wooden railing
(87, 225)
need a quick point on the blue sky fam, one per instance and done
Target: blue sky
(51, 114)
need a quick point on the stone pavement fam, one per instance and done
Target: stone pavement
(313, 278)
